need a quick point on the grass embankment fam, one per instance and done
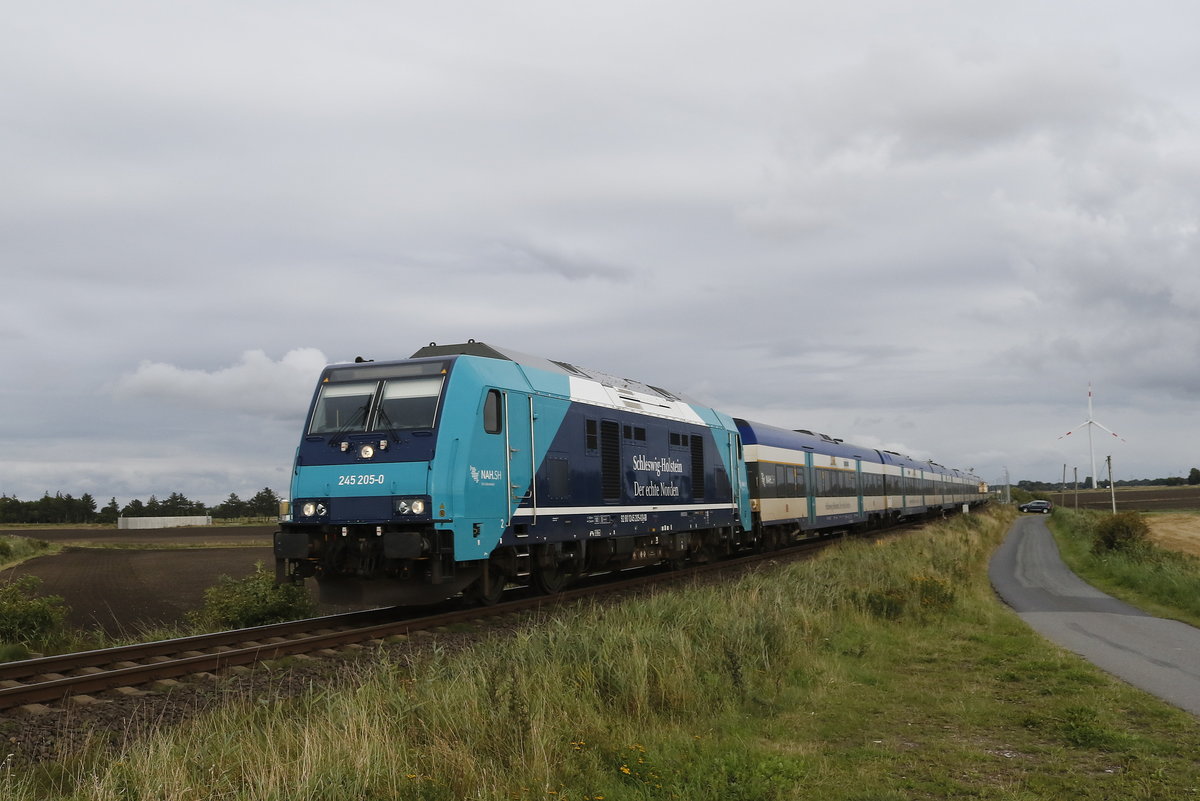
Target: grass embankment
(1162, 582)
(14, 549)
(23, 616)
(876, 671)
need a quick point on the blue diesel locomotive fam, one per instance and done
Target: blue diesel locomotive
(468, 468)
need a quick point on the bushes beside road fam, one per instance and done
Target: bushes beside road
(1114, 553)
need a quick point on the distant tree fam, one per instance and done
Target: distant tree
(233, 506)
(109, 514)
(10, 510)
(134, 508)
(265, 503)
(86, 508)
(178, 505)
(1194, 476)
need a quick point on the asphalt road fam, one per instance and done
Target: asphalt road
(1159, 656)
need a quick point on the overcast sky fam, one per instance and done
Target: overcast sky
(926, 226)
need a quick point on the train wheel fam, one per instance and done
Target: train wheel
(488, 589)
(552, 567)
(549, 579)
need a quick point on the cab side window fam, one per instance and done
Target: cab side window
(492, 418)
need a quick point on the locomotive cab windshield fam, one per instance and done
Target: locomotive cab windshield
(378, 398)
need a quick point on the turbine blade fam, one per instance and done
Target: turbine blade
(1084, 424)
(1114, 433)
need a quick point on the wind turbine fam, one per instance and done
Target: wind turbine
(1088, 423)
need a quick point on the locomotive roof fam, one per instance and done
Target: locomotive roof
(473, 348)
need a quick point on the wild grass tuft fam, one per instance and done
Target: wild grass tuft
(251, 601)
(29, 619)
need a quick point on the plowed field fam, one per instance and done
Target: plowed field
(1138, 499)
(126, 581)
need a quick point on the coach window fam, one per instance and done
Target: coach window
(787, 480)
(492, 421)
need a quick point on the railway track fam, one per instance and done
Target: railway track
(53, 679)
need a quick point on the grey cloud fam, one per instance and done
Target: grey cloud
(511, 257)
(256, 385)
(934, 242)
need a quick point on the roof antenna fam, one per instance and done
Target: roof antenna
(360, 360)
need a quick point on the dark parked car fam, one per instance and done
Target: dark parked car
(1044, 507)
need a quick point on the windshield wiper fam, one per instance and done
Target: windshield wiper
(340, 435)
(384, 418)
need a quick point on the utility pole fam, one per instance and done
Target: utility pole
(1062, 495)
(1076, 489)
(1112, 488)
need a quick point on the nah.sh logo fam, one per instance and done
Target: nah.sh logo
(478, 475)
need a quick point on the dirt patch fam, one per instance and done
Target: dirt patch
(1176, 532)
(124, 590)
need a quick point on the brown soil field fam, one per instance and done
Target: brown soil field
(127, 581)
(1138, 499)
(1176, 531)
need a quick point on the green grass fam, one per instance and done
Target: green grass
(1162, 582)
(14, 549)
(876, 672)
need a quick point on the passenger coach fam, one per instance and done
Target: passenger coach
(803, 482)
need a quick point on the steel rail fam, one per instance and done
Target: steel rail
(40, 680)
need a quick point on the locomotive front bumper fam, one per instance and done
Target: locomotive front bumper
(312, 544)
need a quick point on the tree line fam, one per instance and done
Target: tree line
(1193, 478)
(64, 509)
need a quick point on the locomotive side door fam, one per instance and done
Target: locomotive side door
(520, 460)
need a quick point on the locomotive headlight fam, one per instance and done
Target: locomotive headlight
(409, 506)
(367, 451)
(313, 509)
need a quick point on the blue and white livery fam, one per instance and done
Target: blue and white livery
(468, 468)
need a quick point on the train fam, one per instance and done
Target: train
(469, 468)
